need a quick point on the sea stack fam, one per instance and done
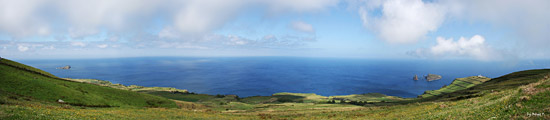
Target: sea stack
(415, 77)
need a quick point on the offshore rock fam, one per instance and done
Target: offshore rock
(66, 67)
(432, 77)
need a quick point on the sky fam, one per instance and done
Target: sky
(483, 30)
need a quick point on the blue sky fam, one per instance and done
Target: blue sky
(485, 30)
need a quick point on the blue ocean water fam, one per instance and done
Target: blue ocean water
(251, 76)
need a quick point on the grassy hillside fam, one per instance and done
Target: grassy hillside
(457, 85)
(124, 87)
(19, 66)
(28, 93)
(24, 83)
(506, 82)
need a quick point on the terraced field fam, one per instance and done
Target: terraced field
(456, 85)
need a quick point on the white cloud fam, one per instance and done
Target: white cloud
(236, 40)
(302, 26)
(102, 46)
(201, 16)
(22, 48)
(185, 24)
(276, 6)
(363, 14)
(51, 47)
(474, 47)
(88, 17)
(113, 38)
(25, 47)
(530, 19)
(402, 21)
(407, 21)
(16, 18)
(80, 44)
(82, 18)
(168, 33)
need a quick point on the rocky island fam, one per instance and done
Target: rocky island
(66, 67)
(432, 77)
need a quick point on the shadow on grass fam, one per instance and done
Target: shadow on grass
(289, 98)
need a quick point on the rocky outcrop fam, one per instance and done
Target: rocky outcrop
(60, 101)
(432, 77)
(66, 67)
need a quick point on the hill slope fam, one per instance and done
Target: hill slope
(24, 83)
(457, 85)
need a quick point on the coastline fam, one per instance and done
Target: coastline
(457, 84)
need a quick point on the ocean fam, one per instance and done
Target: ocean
(252, 76)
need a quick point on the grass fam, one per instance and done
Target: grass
(21, 82)
(27, 94)
(130, 87)
(457, 85)
(369, 97)
(6, 62)
(504, 104)
(190, 97)
(509, 81)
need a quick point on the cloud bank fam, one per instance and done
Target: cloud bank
(131, 24)
(191, 24)
(401, 21)
(407, 21)
(302, 27)
(529, 19)
(474, 47)
(81, 18)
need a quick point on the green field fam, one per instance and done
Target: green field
(30, 93)
(124, 87)
(456, 85)
(24, 83)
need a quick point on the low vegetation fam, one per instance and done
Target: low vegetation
(457, 85)
(29, 93)
(24, 83)
(123, 87)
